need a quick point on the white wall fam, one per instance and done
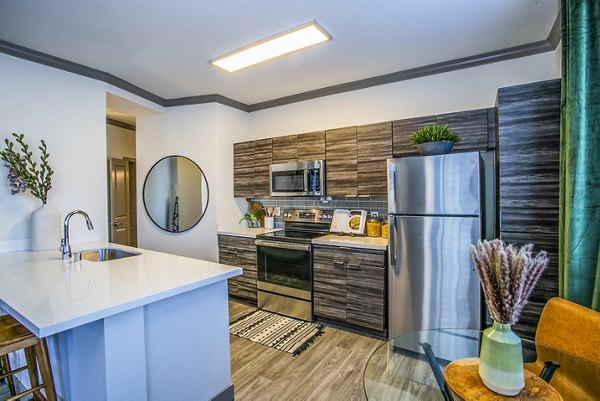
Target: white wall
(465, 89)
(120, 142)
(187, 131)
(68, 112)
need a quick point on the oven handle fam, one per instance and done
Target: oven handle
(283, 245)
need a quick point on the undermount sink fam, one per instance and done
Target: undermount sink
(104, 254)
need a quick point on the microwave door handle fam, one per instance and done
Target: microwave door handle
(306, 180)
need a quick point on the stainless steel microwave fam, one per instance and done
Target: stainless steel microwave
(298, 179)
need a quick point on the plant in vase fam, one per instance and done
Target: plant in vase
(24, 173)
(434, 140)
(508, 275)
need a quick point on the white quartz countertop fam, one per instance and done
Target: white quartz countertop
(48, 295)
(352, 242)
(241, 231)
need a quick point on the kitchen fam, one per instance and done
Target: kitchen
(69, 111)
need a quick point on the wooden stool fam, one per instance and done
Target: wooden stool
(13, 337)
(462, 376)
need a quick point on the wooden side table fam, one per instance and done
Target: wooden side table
(462, 377)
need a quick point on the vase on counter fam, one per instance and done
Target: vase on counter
(501, 360)
(45, 228)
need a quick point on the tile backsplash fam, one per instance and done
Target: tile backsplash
(369, 203)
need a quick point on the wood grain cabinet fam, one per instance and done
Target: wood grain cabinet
(374, 147)
(239, 251)
(475, 127)
(342, 163)
(310, 146)
(251, 161)
(285, 149)
(349, 286)
(529, 151)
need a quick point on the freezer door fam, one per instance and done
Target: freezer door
(432, 281)
(435, 185)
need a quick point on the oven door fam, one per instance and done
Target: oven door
(284, 268)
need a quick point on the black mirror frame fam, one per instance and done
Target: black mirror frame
(144, 195)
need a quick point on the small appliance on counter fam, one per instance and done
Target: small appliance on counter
(348, 221)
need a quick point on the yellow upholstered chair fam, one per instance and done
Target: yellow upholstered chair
(575, 330)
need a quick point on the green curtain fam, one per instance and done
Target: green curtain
(579, 234)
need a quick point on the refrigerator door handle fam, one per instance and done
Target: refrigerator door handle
(392, 241)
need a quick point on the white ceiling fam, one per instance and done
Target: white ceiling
(164, 46)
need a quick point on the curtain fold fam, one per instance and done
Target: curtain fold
(579, 226)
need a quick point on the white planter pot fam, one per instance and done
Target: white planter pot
(45, 229)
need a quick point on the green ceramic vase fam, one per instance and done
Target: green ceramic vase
(501, 360)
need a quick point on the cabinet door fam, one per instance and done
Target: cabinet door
(374, 147)
(365, 289)
(329, 283)
(529, 153)
(246, 258)
(470, 125)
(228, 256)
(243, 169)
(341, 169)
(263, 157)
(311, 146)
(284, 149)
(403, 129)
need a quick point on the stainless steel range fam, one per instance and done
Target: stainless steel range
(284, 262)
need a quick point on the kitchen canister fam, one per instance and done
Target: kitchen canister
(269, 222)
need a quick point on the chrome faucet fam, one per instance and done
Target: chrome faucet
(65, 245)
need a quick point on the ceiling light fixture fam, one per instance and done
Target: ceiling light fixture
(286, 42)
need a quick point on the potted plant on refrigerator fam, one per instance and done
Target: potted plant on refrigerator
(434, 140)
(508, 275)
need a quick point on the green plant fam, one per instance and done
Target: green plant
(252, 216)
(24, 173)
(433, 133)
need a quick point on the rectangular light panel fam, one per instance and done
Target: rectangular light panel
(298, 38)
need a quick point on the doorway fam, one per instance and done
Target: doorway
(121, 172)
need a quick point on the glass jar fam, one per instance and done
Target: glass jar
(373, 227)
(384, 230)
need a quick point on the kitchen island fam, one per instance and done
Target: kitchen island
(152, 326)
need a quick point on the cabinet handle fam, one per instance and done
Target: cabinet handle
(341, 265)
(354, 267)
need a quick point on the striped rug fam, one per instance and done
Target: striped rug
(277, 331)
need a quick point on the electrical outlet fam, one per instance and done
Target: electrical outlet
(374, 214)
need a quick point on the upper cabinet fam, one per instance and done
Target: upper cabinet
(341, 169)
(356, 157)
(285, 149)
(251, 161)
(374, 147)
(475, 127)
(311, 146)
(402, 130)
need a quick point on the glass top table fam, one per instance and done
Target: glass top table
(398, 370)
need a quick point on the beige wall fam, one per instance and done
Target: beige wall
(120, 142)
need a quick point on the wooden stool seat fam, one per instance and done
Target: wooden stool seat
(462, 376)
(13, 337)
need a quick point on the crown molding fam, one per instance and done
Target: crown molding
(527, 49)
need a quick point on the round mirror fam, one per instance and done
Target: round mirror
(175, 194)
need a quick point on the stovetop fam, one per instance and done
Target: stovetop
(302, 225)
(292, 235)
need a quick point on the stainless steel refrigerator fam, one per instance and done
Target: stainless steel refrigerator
(437, 207)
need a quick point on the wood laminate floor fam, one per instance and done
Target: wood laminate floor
(330, 369)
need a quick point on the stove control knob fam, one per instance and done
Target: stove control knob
(320, 216)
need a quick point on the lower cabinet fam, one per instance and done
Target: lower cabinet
(240, 251)
(349, 286)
